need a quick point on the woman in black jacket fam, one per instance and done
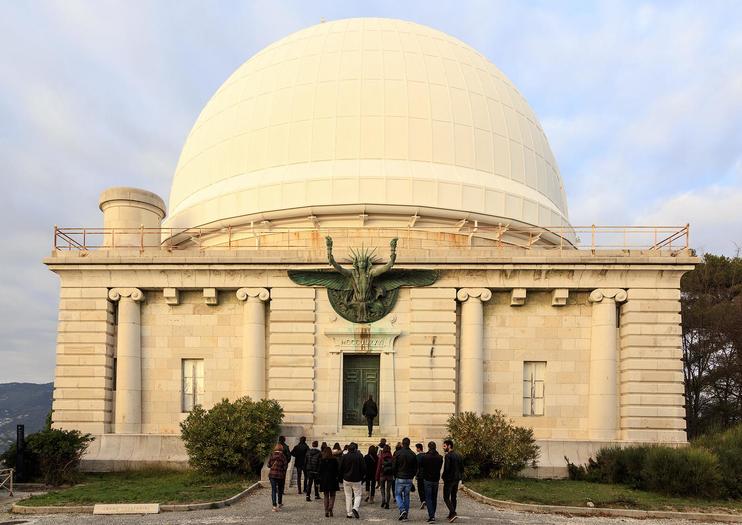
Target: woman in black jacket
(328, 479)
(370, 475)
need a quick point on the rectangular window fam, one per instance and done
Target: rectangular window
(533, 388)
(193, 383)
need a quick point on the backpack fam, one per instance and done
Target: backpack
(387, 466)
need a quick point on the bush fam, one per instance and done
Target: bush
(618, 465)
(727, 446)
(682, 472)
(232, 437)
(491, 445)
(51, 455)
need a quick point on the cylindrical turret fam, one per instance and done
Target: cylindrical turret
(131, 217)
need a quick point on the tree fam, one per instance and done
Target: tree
(711, 304)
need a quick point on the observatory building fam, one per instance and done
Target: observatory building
(458, 282)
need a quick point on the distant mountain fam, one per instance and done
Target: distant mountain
(23, 403)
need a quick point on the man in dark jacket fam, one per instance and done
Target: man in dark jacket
(453, 471)
(352, 469)
(300, 454)
(311, 467)
(420, 481)
(405, 468)
(431, 473)
(370, 410)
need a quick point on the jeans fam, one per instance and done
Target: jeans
(402, 493)
(311, 479)
(371, 488)
(385, 488)
(450, 489)
(353, 495)
(370, 423)
(299, 487)
(431, 497)
(421, 489)
(276, 491)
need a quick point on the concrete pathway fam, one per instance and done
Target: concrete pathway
(257, 509)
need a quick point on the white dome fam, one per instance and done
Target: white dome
(367, 113)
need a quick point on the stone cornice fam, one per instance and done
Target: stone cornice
(261, 293)
(616, 294)
(135, 294)
(483, 294)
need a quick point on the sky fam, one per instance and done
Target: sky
(641, 102)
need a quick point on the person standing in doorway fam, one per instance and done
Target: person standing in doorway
(312, 464)
(300, 453)
(431, 474)
(370, 411)
(352, 469)
(405, 469)
(420, 481)
(277, 475)
(328, 479)
(385, 475)
(453, 472)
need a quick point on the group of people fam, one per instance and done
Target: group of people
(325, 468)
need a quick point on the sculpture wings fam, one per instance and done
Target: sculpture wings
(327, 278)
(388, 281)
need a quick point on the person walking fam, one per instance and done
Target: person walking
(370, 411)
(405, 469)
(300, 453)
(277, 475)
(312, 464)
(431, 474)
(453, 473)
(385, 475)
(370, 473)
(352, 469)
(284, 447)
(420, 482)
(328, 479)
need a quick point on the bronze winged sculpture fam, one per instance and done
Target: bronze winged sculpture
(364, 292)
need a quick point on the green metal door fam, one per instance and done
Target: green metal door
(360, 378)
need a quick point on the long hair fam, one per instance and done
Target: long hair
(327, 453)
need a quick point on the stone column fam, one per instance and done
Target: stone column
(128, 360)
(471, 352)
(253, 341)
(603, 396)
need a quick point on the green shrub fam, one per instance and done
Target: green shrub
(52, 455)
(727, 446)
(232, 437)
(491, 445)
(682, 472)
(618, 465)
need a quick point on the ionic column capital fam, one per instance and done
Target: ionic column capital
(261, 293)
(135, 294)
(483, 294)
(617, 294)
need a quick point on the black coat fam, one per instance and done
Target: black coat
(312, 462)
(453, 467)
(300, 454)
(405, 464)
(352, 467)
(431, 466)
(370, 409)
(328, 475)
(370, 461)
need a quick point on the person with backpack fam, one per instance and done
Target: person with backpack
(405, 469)
(312, 464)
(385, 475)
(352, 469)
(370, 411)
(278, 464)
(430, 472)
(420, 482)
(453, 473)
(328, 479)
(300, 454)
(370, 473)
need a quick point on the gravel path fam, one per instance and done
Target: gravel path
(257, 509)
